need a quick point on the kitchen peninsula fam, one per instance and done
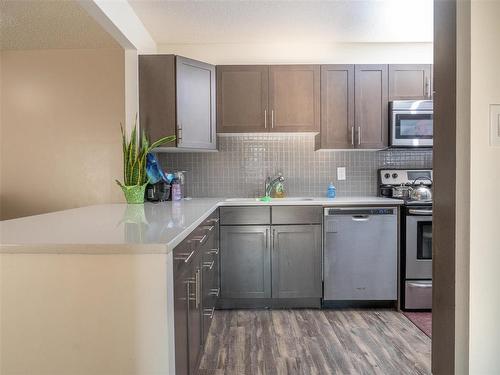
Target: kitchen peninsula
(91, 290)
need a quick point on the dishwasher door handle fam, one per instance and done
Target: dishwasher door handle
(360, 218)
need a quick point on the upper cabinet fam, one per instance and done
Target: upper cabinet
(354, 107)
(242, 100)
(177, 96)
(278, 98)
(294, 98)
(337, 107)
(371, 106)
(347, 104)
(410, 82)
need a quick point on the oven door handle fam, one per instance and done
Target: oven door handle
(419, 285)
(419, 212)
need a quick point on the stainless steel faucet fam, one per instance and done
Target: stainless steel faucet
(270, 183)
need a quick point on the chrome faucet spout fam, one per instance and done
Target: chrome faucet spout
(270, 183)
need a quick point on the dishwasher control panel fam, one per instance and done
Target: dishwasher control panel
(362, 211)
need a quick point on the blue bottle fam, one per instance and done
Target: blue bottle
(331, 192)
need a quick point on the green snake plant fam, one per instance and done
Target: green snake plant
(134, 156)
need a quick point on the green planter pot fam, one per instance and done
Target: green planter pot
(134, 194)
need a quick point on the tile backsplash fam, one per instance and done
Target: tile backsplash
(244, 161)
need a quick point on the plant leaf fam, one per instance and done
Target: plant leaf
(162, 141)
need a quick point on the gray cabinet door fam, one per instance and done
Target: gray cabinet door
(337, 107)
(245, 262)
(372, 105)
(194, 317)
(242, 98)
(296, 261)
(157, 96)
(196, 127)
(181, 324)
(410, 81)
(294, 98)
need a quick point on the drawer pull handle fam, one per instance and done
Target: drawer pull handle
(209, 312)
(213, 251)
(185, 256)
(209, 265)
(201, 239)
(214, 292)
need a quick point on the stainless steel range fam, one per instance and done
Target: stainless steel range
(414, 186)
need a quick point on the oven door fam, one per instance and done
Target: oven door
(412, 128)
(418, 244)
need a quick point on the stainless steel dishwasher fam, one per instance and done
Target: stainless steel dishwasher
(360, 254)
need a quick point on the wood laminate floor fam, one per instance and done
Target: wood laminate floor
(289, 342)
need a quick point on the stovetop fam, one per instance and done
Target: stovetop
(390, 178)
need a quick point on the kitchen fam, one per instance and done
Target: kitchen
(288, 217)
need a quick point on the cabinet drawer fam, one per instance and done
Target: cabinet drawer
(296, 215)
(244, 215)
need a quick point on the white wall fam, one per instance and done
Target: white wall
(321, 53)
(484, 197)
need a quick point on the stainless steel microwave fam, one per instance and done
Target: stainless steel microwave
(411, 123)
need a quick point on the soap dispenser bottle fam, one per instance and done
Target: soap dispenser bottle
(331, 192)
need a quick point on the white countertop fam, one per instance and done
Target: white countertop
(122, 228)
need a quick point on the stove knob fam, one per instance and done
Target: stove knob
(387, 175)
(394, 175)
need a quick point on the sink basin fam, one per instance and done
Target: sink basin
(290, 199)
(293, 199)
(242, 200)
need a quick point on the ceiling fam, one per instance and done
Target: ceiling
(47, 24)
(344, 21)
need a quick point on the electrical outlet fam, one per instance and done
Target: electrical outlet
(495, 125)
(341, 173)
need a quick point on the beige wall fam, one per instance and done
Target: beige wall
(304, 53)
(60, 139)
(86, 314)
(484, 197)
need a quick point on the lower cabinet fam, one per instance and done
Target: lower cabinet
(273, 265)
(296, 260)
(245, 262)
(194, 321)
(196, 289)
(181, 294)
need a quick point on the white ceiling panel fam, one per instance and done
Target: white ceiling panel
(42, 24)
(171, 22)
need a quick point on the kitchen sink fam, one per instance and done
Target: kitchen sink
(290, 199)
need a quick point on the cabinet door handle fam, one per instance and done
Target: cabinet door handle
(352, 135)
(197, 290)
(179, 133)
(189, 282)
(265, 118)
(267, 239)
(359, 135)
(272, 119)
(185, 256)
